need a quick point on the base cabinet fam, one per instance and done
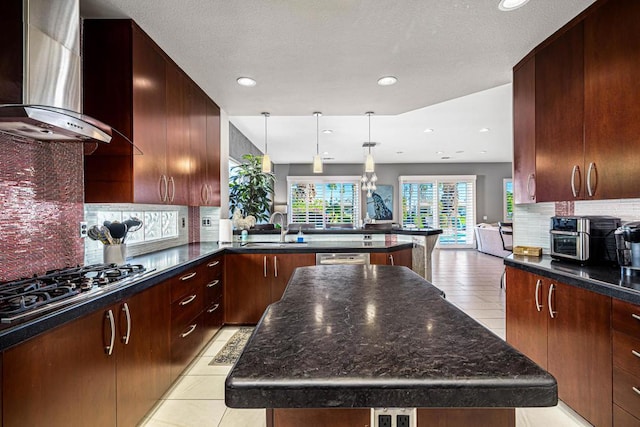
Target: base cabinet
(105, 369)
(626, 363)
(401, 257)
(574, 326)
(253, 281)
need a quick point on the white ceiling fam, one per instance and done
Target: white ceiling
(310, 55)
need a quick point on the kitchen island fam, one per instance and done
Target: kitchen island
(344, 339)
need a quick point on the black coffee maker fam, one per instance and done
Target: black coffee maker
(628, 248)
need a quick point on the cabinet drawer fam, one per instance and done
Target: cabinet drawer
(214, 268)
(622, 418)
(213, 290)
(626, 353)
(186, 344)
(184, 284)
(185, 309)
(626, 318)
(626, 391)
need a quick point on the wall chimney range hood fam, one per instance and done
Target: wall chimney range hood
(40, 74)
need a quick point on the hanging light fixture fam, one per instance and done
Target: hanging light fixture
(266, 161)
(317, 159)
(369, 181)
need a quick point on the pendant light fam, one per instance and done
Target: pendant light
(317, 159)
(266, 161)
(369, 181)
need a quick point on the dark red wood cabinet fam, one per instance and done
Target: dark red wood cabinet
(573, 326)
(73, 376)
(401, 257)
(574, 105)
(253, 281)
(130, 83)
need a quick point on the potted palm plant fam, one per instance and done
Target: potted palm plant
(250, 189)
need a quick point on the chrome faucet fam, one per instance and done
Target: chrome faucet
(283, 228)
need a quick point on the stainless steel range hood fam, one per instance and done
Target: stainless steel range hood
(42, 96)
(42, 123)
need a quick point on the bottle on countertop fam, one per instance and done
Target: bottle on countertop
(300, 238)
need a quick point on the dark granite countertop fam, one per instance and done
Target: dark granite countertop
(338, 231)
(161, 266)
(378, 336)
(605, 280)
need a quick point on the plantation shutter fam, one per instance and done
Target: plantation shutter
(324, 201)
(446, 202)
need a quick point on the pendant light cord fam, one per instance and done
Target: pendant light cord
(265, 132)
(318, 134)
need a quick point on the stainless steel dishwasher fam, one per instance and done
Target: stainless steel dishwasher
(342, 259)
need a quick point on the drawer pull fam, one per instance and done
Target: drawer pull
(214, 308)
(125, 309)
(188, 299)
(214, 263)
(188, 276)
(635, 353)
(636, 389)
(191, 329)
(212, 284)
(635, 316)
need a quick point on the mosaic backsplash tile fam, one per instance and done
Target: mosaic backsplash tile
(41, 194)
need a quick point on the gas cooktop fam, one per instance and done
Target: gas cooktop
(39, 294)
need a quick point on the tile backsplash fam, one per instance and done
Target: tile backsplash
(531, 221)
(41, 195)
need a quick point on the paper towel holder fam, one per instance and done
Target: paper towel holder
(225, 231)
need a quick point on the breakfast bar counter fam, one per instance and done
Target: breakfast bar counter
(378, 337)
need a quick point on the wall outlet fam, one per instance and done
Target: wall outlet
(83, 229)
(394, 417)
(206, 221)
(183, 222)
(484, 218)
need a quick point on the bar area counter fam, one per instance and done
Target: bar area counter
(346, 339)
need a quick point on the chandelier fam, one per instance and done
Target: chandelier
(317, 159)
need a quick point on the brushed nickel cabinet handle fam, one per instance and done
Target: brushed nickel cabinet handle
(635, 316)
(203, 193)
(163, 184)
(187, 300)
(191, 329)
(592, 169)
(275, 266)
(552, 312)
(125, 309)
(214, 263)
(112, 324)
(575, 192)
(172, 195)
(264, 264)
(635, 353)
(188, 276)
(214, 308)
(538, 305)
(636, 390)
(530, 178)
(212, 284)
(391, 259)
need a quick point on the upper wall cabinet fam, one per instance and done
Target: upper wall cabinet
(575, 99)
(130, 83)
(612, 99)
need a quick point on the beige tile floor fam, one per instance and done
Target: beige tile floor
(471, 281)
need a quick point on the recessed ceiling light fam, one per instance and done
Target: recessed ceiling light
(439, 152)
(246, 81)
(399, 152)
(459, 151)
(445, 157)
(484, 130)
(327, 131)
(483, 152)
(428, 130)
(507, 5)
(387, 81)
(325, 153)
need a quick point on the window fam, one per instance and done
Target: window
(323, 200)
(446, 202)
(507, 199)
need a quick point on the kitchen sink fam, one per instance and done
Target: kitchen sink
(273, 245)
